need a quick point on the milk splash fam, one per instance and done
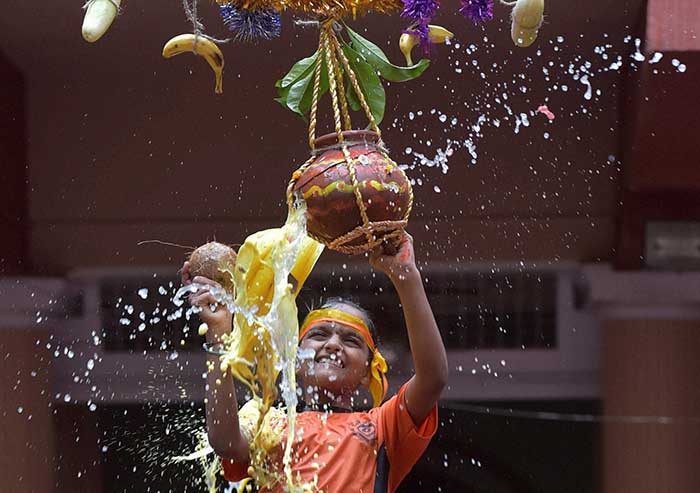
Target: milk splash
(265, 334)
(492, 102)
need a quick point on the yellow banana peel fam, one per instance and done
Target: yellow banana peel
(408, 41)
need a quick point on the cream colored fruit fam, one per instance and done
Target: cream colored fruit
(526, 20)
(407, 42)
(438, 34)
(203, 328)
(522, 37)
(99, 15)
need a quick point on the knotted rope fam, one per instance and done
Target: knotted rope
(197, 26)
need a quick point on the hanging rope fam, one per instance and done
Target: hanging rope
(116, 6)
(341, 90)
(356, 87)
(197, 26)
(317, 85)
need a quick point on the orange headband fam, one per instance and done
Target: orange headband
(378, 367)
(339, 316)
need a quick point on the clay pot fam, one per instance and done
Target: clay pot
(333, 213)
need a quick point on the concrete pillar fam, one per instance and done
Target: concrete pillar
(26, 413)
(650, 366)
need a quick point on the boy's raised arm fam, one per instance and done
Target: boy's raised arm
(427, 349)
(223, 428)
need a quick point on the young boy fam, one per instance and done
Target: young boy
(338, 449)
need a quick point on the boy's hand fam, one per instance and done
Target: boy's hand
(399, 265)
(219, 320)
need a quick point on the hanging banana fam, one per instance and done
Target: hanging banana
(201, 46)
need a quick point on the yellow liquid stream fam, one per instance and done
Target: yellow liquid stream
(271, 267)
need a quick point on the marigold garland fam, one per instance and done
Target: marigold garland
(329, 8)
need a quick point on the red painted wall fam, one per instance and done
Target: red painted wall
(661, 153)
(673, 25)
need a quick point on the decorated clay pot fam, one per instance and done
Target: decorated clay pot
(353, 214)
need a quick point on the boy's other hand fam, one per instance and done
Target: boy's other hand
(219, 319)
(185, 276)
(398, 264)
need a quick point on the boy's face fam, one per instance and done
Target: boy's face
(341, 357)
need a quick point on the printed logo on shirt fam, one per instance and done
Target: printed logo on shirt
(365, 431)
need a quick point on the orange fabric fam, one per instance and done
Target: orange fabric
(360, 328)
(341, 448)
(336, 315)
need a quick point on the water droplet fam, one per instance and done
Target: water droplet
(656, 57)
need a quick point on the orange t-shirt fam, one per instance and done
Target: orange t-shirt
(350, 452)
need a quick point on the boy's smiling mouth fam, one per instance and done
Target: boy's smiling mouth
(330, 361)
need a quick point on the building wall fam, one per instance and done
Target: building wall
(126, 146)
(13, 186)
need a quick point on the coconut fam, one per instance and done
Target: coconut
(214, 261)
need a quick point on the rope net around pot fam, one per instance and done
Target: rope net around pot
(369, 233)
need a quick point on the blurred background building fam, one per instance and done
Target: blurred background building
(560, 258)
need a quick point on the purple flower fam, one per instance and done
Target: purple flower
(250, 25)
(477, 10)
(421, 30)
(421, 11)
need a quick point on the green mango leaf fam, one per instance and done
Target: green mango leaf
(297, 91)
(298, 71)
(283, 94)
(377, 59)
(282, 101)
(307, 99)
(299, 96)
(350, 95)
(370, 84)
